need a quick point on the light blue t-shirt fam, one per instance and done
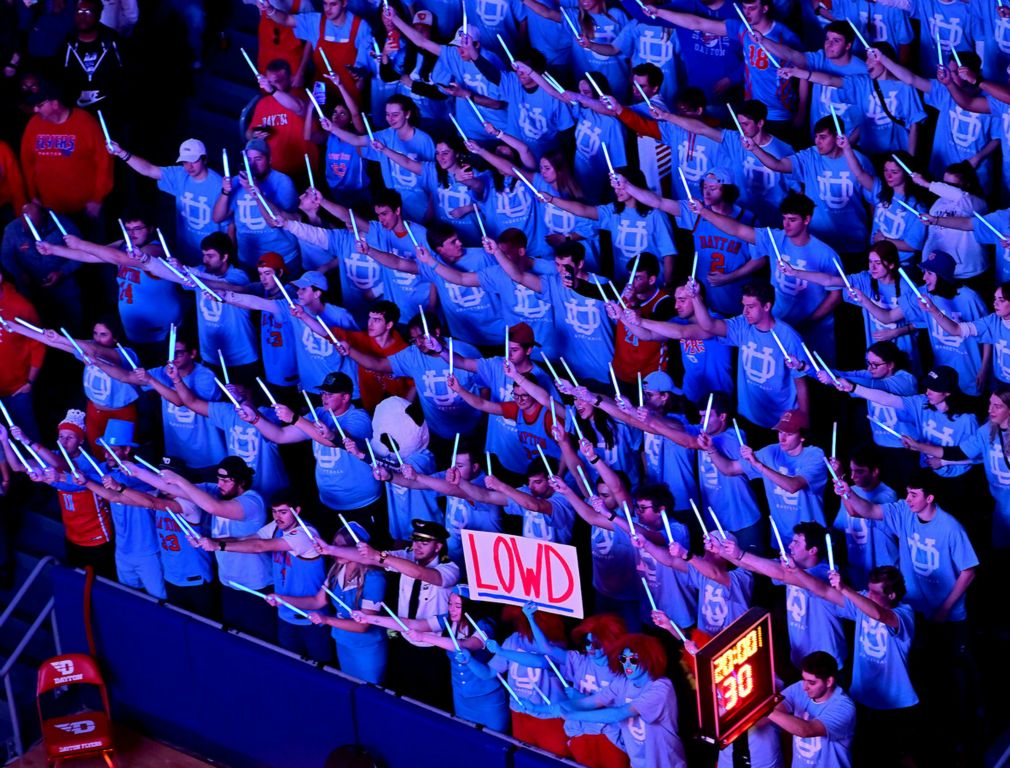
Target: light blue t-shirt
(880, 678)
(765, 385)
(222, 327)
(464, 514)
(867, 542)
(878, 133)
(671, 463)
(191, 437)
(297, 572)
(555, 526)
(316, 355)
(631, 233)
(246, 442)
(731, 496)
(396, 177)
(840, 216)
(406, 504)
(719, 605)
(345, 482)
(534, 117)
(249, 570)
(837, 715)
(194, 203)
(256, 237)
(472, 313)
(105, 391)
(445, 412)
(584, 334)
(761, 189)
(812, 623)
(803, 506)
(960, 134)
(961, 354)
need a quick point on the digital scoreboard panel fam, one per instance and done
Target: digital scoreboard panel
(736, 678)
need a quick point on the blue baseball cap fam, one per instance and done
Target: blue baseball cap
(119, 432)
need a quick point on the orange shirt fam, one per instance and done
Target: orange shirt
(17, 353)
(12, 183)
(286, 137)
(66, 165)
(279, 42)
(632, 354)
(86, 519)
(376, 387)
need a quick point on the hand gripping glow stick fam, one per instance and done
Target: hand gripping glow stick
(105, 129)
(912, 285)
(778, 342)
(315, 104)
(29, 326)
(512, 59)
(739, 434)
(66, 458)
(736, 120)
(778, 538)
(553, 666)
(256, 72)
(606, 156)
(643, 94)
(394, 617)
(884, 427)
(225, 165)
(648, 592)
(683, 179)
(308, 168)
(508, 688)
(708, 411)
(93, 463)
(571, 24)
(543, 458)
(32, 229)
(148, 465)
(834, 476)
(126, 237)
(76, 346)
(266, 391)
(308, 402)
(283, 290)
(831, 550)
(718, 525)
(824, 366)
(459, 129)
(858, 34)
(834, 119)
(697, 514)
(336, 598)
(227, 393)
(476, 628)
(991, 228)
(347, 527)
(542, 694)
(126, 356)
(631, 522)
(452, 634)
(115, 457)
(326, 61)
(368, 127)
(519, 174)
(834, 439)
(303, 526)
(58, 223)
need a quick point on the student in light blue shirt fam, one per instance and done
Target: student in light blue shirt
(534, 117)
(892, 220)
(546, 514)
(315, 351)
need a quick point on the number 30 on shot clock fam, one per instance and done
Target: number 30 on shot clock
(736, 678)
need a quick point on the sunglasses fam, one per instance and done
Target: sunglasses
(628, 659)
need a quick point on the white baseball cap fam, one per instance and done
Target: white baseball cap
(424, 17)
(191, 150)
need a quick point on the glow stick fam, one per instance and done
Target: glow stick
(466, 27)
(834, 439)
(451, 356)
(206, 288)
(778, 538)
(508, 688)
(283, 290)
(827, 370)
(553, 666)
(512, 59)
(340, 429)
(939, 49)
(694, 268)
(642, 93)
(224, 367)
(528, 183)
(912, 285)
(571, 24)
(585, 482)
(256, 72)
(641, 391)
(620, 299)
(903, 167)
(17, 452)
(184, 525)
(315, 104)
(375, 47)
(831, 551)
(907, 207)
(550, 472)
(168, 264)
(105, 129)
(308, 167)
(708, 411)
(354, 227)
(394, 617)
(542, 694)
(368, 127)
(455, 450)
(476, 110)
(736, 120)
(371, 453)
(92, 462)
(957, 57)
(266, 206)
(148, 465)
(683, 178)
(834, 477)
(487, 458)
(578, 429)
(58, 223)
(326, 61)
(596, 87)
(34, 454)
(410, 234)
(126, 356)
(459, 128)
(285, 603)
(424, 321)
(480, 221)
(507, 349)
(66, 458)
(810, 357)
(834, 119)
(841, 273)
(7, 415)
(329, 333)
(553, 82)
(32, 229)
(884, 427)
(115, 457)
(571, 376)
(739, 12)
(697, 515)
(606, 156)
(303, 526)
(126, 237)
(775, 247)
(76, 346)
(652, 600)
(452, 634)
(28, 325)
(613, 380)
(599, 287)
(554, 373)
(718, 524)
(396, 451)
(631, 523)
(347, 527)
(678, 630)
(480, 632)
(248, 169)
(336, 598)
(312, 410)
(225, 164)
(992, 229)
(739, 434)
(227, 393)
(859, 34)
(171, 343)
(266, 391)
(778, 341)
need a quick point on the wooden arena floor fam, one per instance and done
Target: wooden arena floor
(134, 751)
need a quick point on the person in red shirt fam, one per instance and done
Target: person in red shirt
(12, 183)
(279, 119)
(63, 156)
(277, 41)
(20, 358)
(632, 352)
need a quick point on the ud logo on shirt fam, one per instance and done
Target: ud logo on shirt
(361, 270)
(943, 436)
(758, 177)
(873, 638)
(436, 390)
(884, 414)
(463, 296)
(195, 211)
(244, 442)
(514, 204)
(210, 309)
(587, 138)
(947, 31)
(925, 556)
(249, 214)
(828, 101)
(452, 197)
(758, 366)
(492, 12)
(528, 305)
(858, 530)
(1001, 35)
(942, 337)
(693, 160)
(835, 191)
(315, 345)
(558, 221)
(631, 239)
(326, 457)
(602, 541)
(807, 748)
(998, 465)
(876, 112)
(891, 221)
(180, 415)
(791, 286)
(401, 175)
(785, 498)
(532, 120)
(524, 678)
(714, 607)
(654, 47)
(796, 605)
(582, 317)
(876, 29)
(965, 127)
(98, 382)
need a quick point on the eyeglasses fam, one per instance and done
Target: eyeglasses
(874, 365)
(626, 659)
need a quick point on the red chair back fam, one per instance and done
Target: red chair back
(80, 734)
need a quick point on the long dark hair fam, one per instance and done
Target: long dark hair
(913, 192)
(891, 259)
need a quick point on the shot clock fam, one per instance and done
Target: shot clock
(736, 678)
